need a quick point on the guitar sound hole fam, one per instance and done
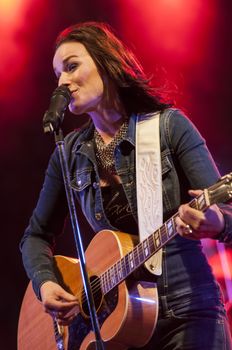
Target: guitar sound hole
(97, 295)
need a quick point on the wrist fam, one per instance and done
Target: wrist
(225, 236)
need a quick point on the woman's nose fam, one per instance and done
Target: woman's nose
(64, 79)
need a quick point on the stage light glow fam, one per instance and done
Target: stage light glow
(171, 27)
(11, 10)
(216, 263)
(12, 17)
(17, 19)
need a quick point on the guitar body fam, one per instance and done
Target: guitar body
(127, 314)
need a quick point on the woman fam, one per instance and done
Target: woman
(108, 84)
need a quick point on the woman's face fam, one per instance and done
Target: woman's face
(75, 68)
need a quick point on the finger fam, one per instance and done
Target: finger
(191, 216)
(61, 314)
(65, 319)
(55, 306)
(65, 296)
(73, 312)
(180, 224)
(185, 230)
(195, 193)
(59, 304)
(53, 291)
(188, 230)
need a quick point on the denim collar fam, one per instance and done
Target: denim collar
(86, 134)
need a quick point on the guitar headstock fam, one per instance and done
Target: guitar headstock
(221, 191)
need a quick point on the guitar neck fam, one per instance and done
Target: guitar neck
(145, 249)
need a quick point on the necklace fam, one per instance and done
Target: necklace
(105, 153)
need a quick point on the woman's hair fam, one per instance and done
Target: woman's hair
(118, 63)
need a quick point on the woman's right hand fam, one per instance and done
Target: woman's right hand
(60, 304)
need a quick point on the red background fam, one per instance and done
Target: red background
(187, 47)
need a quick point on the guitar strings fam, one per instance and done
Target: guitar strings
(99, 284)
(96, 285)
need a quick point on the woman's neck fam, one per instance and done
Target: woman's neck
(107, 123)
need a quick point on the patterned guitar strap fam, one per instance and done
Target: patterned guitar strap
(149, 182)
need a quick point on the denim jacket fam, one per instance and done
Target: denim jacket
(186, 164)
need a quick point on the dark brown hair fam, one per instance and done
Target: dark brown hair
(118, 63)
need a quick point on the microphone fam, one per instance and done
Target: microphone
(54, 116)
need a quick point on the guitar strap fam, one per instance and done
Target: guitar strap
(149, 182)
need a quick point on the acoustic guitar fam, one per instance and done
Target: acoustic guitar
(127, 308)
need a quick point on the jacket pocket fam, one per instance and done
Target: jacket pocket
(165, 163)
(81, 180)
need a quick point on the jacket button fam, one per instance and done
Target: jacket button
(95, 185)
(152, 267)
(79, 182)
(98, 216)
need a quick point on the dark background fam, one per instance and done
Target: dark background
(185, 45)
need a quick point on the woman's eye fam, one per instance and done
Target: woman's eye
(71, 67)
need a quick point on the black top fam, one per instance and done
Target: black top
(118, 210)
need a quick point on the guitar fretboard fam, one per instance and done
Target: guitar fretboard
(144, 250)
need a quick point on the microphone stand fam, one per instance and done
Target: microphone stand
(59, 140)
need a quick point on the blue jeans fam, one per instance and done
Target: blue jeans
(193, 322)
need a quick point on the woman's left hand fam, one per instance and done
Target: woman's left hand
(195, 224)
